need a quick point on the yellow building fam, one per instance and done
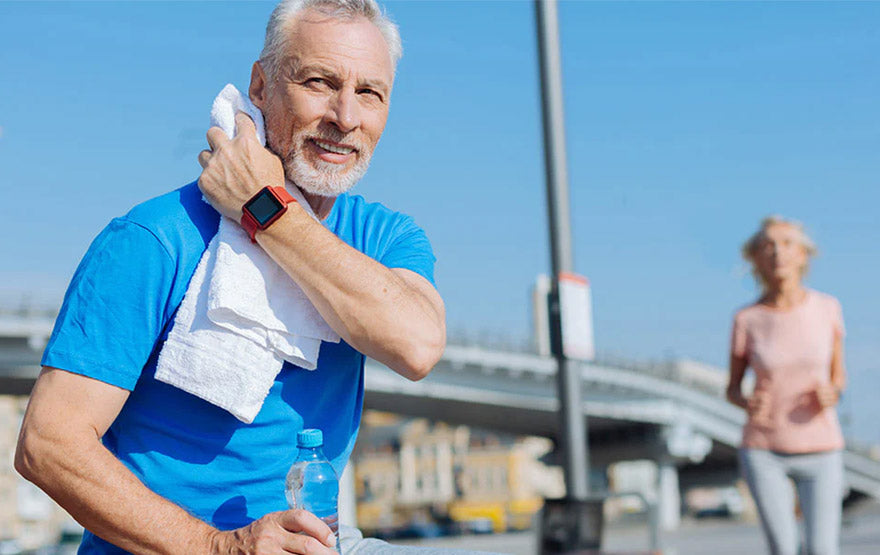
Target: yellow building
(415, 472)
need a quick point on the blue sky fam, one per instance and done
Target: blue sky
(686, 122)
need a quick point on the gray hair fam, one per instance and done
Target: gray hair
(287, 10)
(750, 247)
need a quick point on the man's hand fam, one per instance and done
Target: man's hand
(234, 170)
(292, 531)
(827, 395)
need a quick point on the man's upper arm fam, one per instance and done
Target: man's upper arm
(67, 414)
(63, 402)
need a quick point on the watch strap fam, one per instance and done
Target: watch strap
(283, 195)
(250, 223)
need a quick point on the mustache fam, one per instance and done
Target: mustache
(334, 135)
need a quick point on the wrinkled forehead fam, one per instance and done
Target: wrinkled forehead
(348, 44)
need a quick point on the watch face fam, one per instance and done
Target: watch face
(263, 206)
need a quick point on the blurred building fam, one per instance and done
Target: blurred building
(412, 473)
(29, 519)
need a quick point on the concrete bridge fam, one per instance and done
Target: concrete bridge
(673, 414)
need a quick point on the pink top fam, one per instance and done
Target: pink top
(790, 352)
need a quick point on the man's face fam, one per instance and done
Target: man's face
(327, 107)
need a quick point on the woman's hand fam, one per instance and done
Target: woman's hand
(827, 395)
(758, 407)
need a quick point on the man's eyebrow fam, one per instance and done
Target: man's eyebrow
(299, 70)
(376, 84)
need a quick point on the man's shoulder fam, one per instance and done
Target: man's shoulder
(357, 203)
(370, 215)
(391, 237)
(180, 219)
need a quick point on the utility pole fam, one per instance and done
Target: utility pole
(573, 524)
(572, 431)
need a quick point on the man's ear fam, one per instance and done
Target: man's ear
(257, 90)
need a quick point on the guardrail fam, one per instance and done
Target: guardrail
(684, 396)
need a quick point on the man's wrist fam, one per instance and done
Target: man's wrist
(294, 222)
(218, 543)
(264, 209)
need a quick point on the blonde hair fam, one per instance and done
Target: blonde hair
(751, 246)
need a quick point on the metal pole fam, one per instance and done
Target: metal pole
(572, 426)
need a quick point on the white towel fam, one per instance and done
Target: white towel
(228, 342)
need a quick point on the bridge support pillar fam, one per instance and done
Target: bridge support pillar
(668, 495)
(680, 443)
(347, 497)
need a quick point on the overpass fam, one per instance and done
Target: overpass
(666, 413)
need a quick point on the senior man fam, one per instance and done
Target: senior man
(148, 468)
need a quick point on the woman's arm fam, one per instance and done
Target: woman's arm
(838, 368)
(738, 367)
(828, 394)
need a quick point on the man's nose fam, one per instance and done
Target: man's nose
(344, 111)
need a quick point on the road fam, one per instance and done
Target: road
(860, 536)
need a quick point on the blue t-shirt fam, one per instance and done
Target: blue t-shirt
(116, 316)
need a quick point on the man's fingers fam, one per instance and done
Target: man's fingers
(204, 158)
(298, 520)
(300, 543)
(244, 125)
(216, 137)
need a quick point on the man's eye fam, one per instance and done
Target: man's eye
(317, 82)
(371, 92)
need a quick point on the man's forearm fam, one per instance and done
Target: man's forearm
(370, 306)
(389, 315)
(96, 489)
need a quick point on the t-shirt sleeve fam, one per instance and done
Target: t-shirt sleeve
(115, 308)
(739, 338)
(410, 249)
(837, 318)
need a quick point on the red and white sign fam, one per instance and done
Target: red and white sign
(576, 310)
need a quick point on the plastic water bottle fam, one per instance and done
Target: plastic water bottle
(312, 483)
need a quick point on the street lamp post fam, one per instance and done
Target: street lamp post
(572, 432)
(574, 523)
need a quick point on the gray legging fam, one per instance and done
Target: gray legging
(818, 478)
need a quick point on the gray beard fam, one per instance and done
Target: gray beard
(324, 178)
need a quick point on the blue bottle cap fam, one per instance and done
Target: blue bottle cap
(311, 437)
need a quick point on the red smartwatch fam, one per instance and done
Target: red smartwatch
(263, 209)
